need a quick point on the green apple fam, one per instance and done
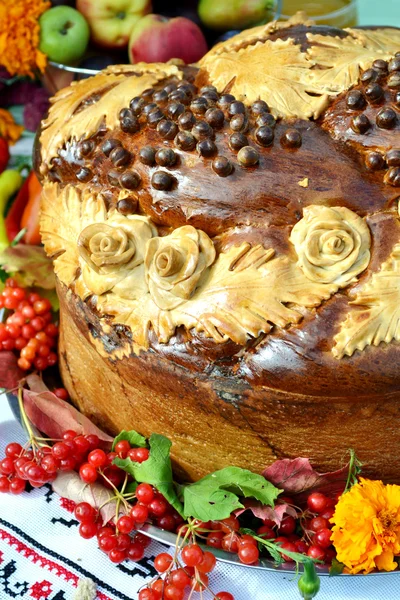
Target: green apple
(111, 21)
(64, 34)
(235, 14)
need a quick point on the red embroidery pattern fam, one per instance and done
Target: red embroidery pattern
(42, 561)
(69, 505)
(41, 589)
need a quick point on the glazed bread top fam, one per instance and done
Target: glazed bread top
(239, 216)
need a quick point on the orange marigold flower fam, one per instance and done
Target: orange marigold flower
(8, 127)
(366, 532)
(19, 36)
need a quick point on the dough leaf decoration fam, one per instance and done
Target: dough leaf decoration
(340, 60)
(374, 316)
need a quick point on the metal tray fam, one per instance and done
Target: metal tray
(169, 538)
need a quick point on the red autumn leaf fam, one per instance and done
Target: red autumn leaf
(10, 373)
(69, 485)
(297, 477)
(276, 513)
(52, 416)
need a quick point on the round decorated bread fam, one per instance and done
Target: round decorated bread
(226, 240)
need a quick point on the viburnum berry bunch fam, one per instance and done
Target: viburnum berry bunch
(28, 330)
(188, 569)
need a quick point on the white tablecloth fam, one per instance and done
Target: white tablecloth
(43, 557)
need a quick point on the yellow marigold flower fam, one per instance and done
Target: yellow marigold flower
(19, 36)
(366, 532)
(8, 127)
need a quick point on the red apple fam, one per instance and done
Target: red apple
(158, 39)
(111, 22)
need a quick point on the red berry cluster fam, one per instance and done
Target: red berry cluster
(28, 329)
(189, 571)
(115, 542)
(40, 465)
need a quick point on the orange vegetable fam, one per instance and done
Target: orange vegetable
(30, 216)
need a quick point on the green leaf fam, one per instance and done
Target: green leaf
(133, 437)
(216, 496)
(336, 568)
(131, 487)
(156, 470)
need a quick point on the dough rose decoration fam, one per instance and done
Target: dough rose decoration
(110, 252)
(175, 263)
(332, 244)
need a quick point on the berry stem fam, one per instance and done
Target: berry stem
(33, 441)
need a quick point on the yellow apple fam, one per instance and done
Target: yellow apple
(111, 21)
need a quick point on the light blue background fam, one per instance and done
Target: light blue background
(379, 12)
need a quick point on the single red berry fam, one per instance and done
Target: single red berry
(60, 450)
(318, 523)
(67, 464)
(179, 578)
(41, 363)
(38, 323)
(143, 539)
(144, 493)
(97, 458)
(17, 485)
(87, 529)
(248, 554)
(208, 563)
(266, 532)
(139, 513)
(173, 593)
(330, 554)
(122, 448)
(81, 444)
(14, 331)
(287, 526)
(107, 543)
(8, 344)
(4, 484)
(116, 555)
(166, 522)
(10, 303)
(158, 586)
(162, 562)
(93, 440)
(20, 343)
(69, 434)
(148, 594)
(192, 555)
(125, 524)
(224, 596)
(135, 551)
(158, 507)
(106, 530)
(123, 541)
(85, 512)
(7, 466)
(317, 502)
(230, 524)
(4, 335)
(52, 359)
(301, 546)
(214, 539)
(28, 312)
(316, 552)
(328, 514)
(138, 454)
(36, 473)
(42, 306)
(87, 473)
(323, 538)
(230, 542)
(52, 331)
(50, 464)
